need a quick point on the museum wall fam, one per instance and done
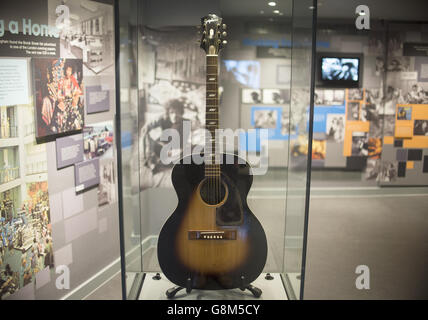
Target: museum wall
(59, 224)
(382, 136)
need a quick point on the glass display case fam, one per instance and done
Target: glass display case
(248, 71)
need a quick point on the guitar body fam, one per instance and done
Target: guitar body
(212, 245)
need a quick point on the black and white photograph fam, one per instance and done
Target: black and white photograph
(275, 96)
(379, 66)
(420, 128)
(287, 128)
(373, 96)
(319, 97)
(265, 118)
(353, 111)
(89, 35)
(177, 56)
(335, 127)
(251, 96)
(107, 187)
(376, 127)
(329, 97)
(370, 112)
(417, 95)
(360, 144)
(388, 125)
(167, 105)
(340, 69)
(373, 169)
(393, 96)
(364, 114)
(395, 44)
(389, 171)
(376, 45)
(397, 64)
(338, 97)
(355, 94)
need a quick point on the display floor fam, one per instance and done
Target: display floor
(155, 290)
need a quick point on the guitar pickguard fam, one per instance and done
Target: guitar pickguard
(231, 212)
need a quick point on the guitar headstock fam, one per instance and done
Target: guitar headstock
(213, 34)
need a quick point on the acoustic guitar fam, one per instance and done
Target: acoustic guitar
(212, 240)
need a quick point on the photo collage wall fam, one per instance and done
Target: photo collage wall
(379, 129)
(48, 96)
(173, 91)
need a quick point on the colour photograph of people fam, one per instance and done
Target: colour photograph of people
(58, 95)
(25, 238)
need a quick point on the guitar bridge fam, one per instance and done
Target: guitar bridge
(212, 235)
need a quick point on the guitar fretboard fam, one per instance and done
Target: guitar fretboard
(212, 168)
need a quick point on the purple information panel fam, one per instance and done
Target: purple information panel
(69, 150)
(97, 100)
(87, 174)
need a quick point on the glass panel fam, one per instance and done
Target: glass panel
(369, 128)
(298, 146)
(129, 136)
(164, 75)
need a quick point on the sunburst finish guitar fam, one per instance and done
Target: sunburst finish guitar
(212, 240)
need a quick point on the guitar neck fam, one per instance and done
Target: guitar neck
(211, 116)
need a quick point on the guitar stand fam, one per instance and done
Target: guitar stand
(254, 290)
(170, 293)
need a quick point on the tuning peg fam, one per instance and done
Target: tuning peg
(224, 34)
(224, 26)
(224, 42)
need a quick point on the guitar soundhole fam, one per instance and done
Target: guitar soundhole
(213, 190)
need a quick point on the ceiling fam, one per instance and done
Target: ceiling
(188, 12)
(409, 10)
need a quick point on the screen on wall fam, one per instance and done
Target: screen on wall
(340, 71)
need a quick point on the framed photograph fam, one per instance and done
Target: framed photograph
(275, 120)
(360, 144)
(265, 118)
(107, 186)
(339, 97)
(420, 128)
(404, 113)
(353, 111)
(59, 100)
(355, 94)
(251, 96)
(98, 140)
(275, 96)
(335, 127)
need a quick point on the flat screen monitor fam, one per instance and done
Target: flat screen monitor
(339, 71)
